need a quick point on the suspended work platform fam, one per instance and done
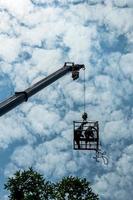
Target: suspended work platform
(86, 135)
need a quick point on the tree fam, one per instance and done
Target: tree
(74, 188)
(28, 185)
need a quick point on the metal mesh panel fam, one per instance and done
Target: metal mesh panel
(88, 135)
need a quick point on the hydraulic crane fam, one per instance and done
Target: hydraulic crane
(20, 97)
(86, 133)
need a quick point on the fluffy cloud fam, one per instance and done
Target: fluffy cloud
(123, 3)
(20, 8)
(36, 38)
(9, 48)
(115, 184)
(12, 130)
(126, 65)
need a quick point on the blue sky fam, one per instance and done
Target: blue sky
(36, 38)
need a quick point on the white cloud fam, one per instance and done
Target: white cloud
(118, 183)
(41, 120)
(19, 8)
(71, 167)
(116, 130)
(78, 39)
(11, 130)
(118, 19)
(6, 68)
(102, 82)
(123, 3)
(43, 58)
(10, 170)
(126, 65)
(9, 48)
(4, 22)
(51, 35)
(75, 91)
(23, 156)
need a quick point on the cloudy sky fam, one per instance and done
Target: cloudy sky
(36, 38)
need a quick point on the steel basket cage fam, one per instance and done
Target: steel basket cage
(86, 135)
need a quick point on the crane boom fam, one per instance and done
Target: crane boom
(20, 97)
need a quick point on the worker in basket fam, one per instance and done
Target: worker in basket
(78, 134)
(89, 133)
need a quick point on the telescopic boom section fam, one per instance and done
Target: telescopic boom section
(20, 97)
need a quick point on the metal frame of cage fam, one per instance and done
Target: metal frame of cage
(92, 143)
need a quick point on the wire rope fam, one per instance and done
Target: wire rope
(84, 92)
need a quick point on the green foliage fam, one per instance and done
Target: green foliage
(30, 185)
(74, 188)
